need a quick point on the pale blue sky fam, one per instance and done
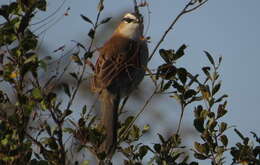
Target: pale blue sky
(228, 28)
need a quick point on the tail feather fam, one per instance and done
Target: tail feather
(109, 107)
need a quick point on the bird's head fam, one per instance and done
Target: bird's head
(131, 26)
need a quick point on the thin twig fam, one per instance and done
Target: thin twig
(185, 10)
(196, 7)
(84, 64)
(123, 104)
(136, 7)
(138, 114)
(180, 120)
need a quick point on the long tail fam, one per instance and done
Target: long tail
(109, 107)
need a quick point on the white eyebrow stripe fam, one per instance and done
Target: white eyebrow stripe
(128, 15)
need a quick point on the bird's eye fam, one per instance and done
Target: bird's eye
(128, 20)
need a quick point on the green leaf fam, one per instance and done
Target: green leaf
(68, 130)
(85, 18)
(211, 60)
(85, 162)
(37, 94)
(105, 20)
(52, 143)
(143, 151)
(146, 128)
(29, 42)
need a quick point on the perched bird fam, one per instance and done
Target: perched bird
(118, 71)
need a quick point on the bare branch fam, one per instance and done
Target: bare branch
(185, 10)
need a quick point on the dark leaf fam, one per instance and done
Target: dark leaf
(88, 55)
(223, 127)
(180, 52)
(202, 148)
(47, 128)
(167, 55)
(200, 156)
(182, 74)
(161, 138)
(41, 5)
(189, 93)
(84, 110)
(179, 87)
(167, 85)
(206, 71)
(198, 111)
(224, 140)
(212, 124)
(74, 75)
(157, 147)
(255, 136)
(199, 124)
(105, 20)
(81, 122)
(85, 18)
(221, 111)
(67, 112)
(221, 98)
(167, 71)
(143, 151)
(52, 143)
(91, 33)
(219, 60)
(66, 89)
(216, 88)
(211, 60)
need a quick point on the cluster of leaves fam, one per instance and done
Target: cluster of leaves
(18, 61)
(246, 152)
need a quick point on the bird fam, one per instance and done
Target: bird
(118, 71)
